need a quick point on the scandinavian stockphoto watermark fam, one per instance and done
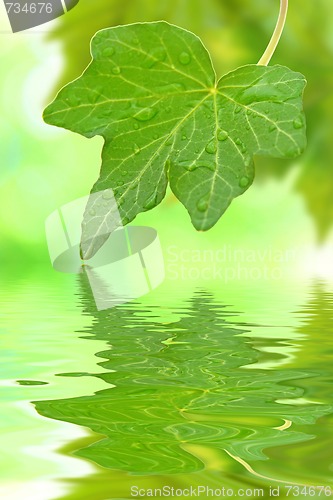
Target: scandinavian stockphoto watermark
(168, 491)
(271, 491)
(23, 14)
(129, 264)
(227, 263)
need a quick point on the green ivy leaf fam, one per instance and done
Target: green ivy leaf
(151, 92)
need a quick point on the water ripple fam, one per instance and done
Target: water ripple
(182, 385)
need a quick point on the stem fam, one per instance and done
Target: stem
(264, 61)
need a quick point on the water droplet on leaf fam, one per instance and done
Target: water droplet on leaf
(222, 135)
(207, 164)
(171, 88)
(248, 161)
(74, 100)
(185, 58)
(92, 212)
(144, 115)
(261, 93)
(298, 123)
(158, 54)
(211, 147)
(151, 202)
(244, 182)
(188, 164)
(108, 194)
(116, 70)
(202, 205)
(108, 52)
(241, 145)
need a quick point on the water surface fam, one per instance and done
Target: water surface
(191, 387)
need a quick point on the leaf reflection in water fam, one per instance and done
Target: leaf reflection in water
(180, 388)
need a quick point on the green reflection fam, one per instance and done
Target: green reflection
(312, 459)
(181, 390)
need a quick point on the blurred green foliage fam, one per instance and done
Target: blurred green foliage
(237, 33)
